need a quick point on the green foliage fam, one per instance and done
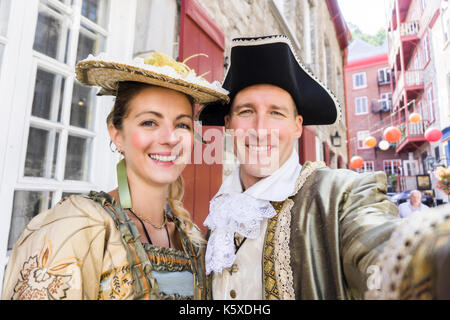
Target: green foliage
(376, 39)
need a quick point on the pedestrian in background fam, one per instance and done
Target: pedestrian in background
(413, 205)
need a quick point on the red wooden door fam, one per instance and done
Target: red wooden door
(307, 145)
(199, 34)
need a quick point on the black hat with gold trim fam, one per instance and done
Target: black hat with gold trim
(271, 60)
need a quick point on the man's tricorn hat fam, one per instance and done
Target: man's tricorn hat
(271, 60)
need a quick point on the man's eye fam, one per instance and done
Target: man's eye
(276, 113)
(243, 112)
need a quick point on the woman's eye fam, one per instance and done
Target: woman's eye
(148, 123)
(184, 126)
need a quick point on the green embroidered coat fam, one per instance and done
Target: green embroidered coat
(327, 238)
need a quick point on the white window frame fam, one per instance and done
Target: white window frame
(360, 107)
(16, 90)
(426, 49)
(364, 80)
(446, 24)
(369, 166)
(431, 103)
(59, 184)
(386, 100)
(4, 37)
(385, 75)
(361, 137)
(423, 5)
(392, 164)
(410, 168)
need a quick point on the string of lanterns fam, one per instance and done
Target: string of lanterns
(393, 134)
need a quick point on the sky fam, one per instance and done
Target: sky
(368, 15)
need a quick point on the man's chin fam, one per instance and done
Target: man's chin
(258, 171)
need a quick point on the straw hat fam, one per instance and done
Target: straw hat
(272, 60)
(157, 69)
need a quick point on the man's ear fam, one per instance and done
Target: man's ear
(298, 126)
(115, 136)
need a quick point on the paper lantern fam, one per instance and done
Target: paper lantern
(356, 162)
(370, 142)
(433, 134)
(392, 134)
(384, 145)
(414, 117)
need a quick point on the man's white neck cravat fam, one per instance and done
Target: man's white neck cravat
(232, 210)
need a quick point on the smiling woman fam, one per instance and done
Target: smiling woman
(137, 241)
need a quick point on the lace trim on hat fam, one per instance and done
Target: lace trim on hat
(282, 38)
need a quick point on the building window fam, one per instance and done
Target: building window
(26, 205)
(4, 15)
(423, 5)
(61, 130)
(368, 167)
(361, 137)
(437, 155)
(422, 110)
(361, 105)
(359, 80)
(446, 24)
(410, 168)
(384, 76)
(426, 49)
(386, 101)
(430, 103)
(392, 167)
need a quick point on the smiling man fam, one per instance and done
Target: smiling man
(281, 230)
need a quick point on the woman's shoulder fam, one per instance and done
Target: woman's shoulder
(71, 207)
(70, 215)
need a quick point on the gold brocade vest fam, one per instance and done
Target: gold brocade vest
(270, 282)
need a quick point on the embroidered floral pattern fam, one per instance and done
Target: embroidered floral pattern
(116, 284)
(42, 279)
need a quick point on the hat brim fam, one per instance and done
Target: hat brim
(271, 60)
(107, 75)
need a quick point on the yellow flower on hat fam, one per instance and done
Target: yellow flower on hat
(158, 59)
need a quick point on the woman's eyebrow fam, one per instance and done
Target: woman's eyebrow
(184, 116)
(157, 114)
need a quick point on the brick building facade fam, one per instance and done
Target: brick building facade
(369, 106)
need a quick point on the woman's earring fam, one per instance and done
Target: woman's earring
(114, 150)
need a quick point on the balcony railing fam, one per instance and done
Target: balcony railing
(382, 105)
(411, 78)
(409, 28)
(412, 130)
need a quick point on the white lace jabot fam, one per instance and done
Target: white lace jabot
(232, 210)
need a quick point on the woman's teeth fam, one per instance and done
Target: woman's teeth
(163, 158)
(259, 148)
